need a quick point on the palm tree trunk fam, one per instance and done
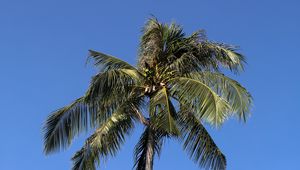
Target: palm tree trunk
(150, 143)
(150, 151)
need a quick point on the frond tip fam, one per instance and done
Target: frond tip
(199, 144)
(108, 62)
(62, 125)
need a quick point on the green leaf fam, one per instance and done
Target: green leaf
(164, 119)
(107, 62)
(198, 143)
(106, 141)
(108, 138)
(65, 123)
(224, 54)
(233, 92)
(111, 88)
(196, 53)
(206, 103)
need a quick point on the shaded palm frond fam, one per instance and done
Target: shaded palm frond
(206, 104)
(107, 62)
(165, 114)
(119, 80)
(198, 143)
(111, 88)
(184, 64)
(150, 143)
(185, 55)
(196, 53)
(88, 111)
(158, 42)
(62, 125)
(172, 39)
(177, 44)
(237, 96)
(151, 45)
(223, 54)
(106, 141)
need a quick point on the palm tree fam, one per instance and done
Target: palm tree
(176, 88)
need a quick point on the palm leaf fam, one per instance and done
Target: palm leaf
(224, 54)
(113, 87)
(206, 103)
(158, 42)
(62, 125)
(107, 62)
(164, 119)
(199, 144)
(108, 138)
(106, 141)
(237, 96)
(107, 92)
(196, 53)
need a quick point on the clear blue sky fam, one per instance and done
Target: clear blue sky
(43, 48)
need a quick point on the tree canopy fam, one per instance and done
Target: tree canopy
(177, 86)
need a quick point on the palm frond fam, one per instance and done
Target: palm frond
(206, 103)
(151, 44)
(110, 89)
(199, 144)
(224, 54)
(237, 96)
(196, 53)
(158, 42)
(106, 141)
(107, 92)
(172, 39)
(164, 118)
(150, 143)
(107, 62)
(62, 125)
(113, 87)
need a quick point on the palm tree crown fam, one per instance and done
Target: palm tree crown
(177, 86)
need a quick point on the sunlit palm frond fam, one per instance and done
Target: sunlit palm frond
(62, 125)
(106, 141)
(206, 104)
(108, 62)
(165, 113)
(237, 96)
(150, 143)
(199, 144)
